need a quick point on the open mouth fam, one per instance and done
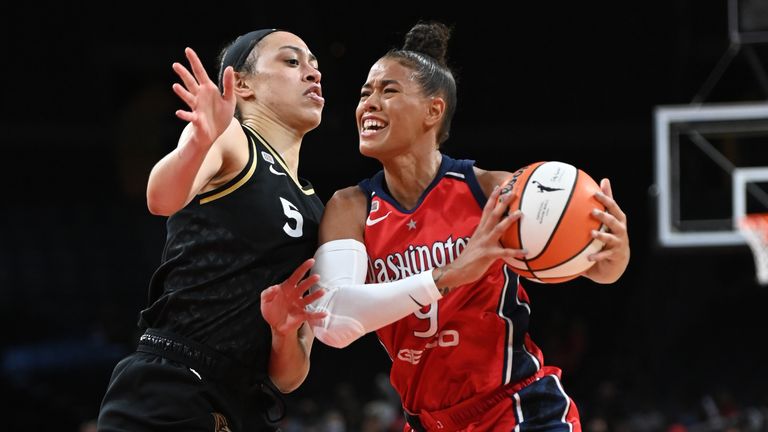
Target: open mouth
(372, 125)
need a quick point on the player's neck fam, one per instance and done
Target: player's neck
(408, 176)
(284, 141)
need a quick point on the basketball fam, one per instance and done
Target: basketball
(556, 200)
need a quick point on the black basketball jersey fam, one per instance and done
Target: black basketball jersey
(228, 245)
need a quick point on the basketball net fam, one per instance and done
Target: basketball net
(754, 228)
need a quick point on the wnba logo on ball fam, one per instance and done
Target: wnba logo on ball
(543, 188)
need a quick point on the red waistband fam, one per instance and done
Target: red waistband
(462, 414)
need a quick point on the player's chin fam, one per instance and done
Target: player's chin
(369, 147)
(312, 119)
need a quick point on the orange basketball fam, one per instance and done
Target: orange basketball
(556, 199)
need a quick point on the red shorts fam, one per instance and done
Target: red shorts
(539, 403)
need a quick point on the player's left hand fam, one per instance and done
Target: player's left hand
(210, 111)
(613, 259)
(284, 305)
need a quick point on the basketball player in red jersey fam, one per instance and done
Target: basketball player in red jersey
(423, 235)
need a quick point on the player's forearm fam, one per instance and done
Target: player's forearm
(289, 358)
(442, 281)
(171, 180)
(355, 308)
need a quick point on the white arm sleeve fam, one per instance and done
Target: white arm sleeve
(355, 308)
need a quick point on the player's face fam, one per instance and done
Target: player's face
(286, 81)
(391, 112)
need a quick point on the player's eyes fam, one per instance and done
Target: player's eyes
(293, 62)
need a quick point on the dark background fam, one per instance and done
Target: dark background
(87, 109)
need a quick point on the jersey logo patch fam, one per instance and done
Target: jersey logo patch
(267, 157)
(372, 222)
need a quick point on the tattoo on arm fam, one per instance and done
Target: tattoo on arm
(436, 275)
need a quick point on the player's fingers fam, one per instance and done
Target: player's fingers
(616, 211)
(611, 222)
(307, 283)
(602, 255)
(606, 198)
(496, 206)
(310, 298)
(519, 253)
(605, 186)
(186, 77)
(300, 271)
(311, 316)
(228, 82)
(492, 199)
(197, 66)
(186, 96)
(603, 216)
(607, 238)
(506, 223)
(611, 206)
(185, 115)
(269, 293)
(502, 204)
(508, 254)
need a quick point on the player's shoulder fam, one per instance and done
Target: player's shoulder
(344, 215)
(351, 197)
(489, 179)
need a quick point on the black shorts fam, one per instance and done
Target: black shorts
(159, 390)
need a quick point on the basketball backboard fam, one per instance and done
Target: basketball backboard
(711, 168)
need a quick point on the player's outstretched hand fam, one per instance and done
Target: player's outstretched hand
(284, 305)
(210, 111)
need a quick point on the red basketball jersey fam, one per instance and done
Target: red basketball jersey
(476, 338)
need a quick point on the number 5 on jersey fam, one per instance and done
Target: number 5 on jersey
(291, 212)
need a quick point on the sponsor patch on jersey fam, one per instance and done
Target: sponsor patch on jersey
(267, 157)
(374, 206)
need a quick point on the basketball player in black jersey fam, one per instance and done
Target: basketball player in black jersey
(225, 327)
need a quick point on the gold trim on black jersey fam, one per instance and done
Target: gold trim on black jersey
(310, 191)
(254, 159)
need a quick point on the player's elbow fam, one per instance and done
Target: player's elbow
(287, 386)
(340, 332)
(159, 206)
(335, 340)
(157, 210)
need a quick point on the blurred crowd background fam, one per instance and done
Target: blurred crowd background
(87, 108)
